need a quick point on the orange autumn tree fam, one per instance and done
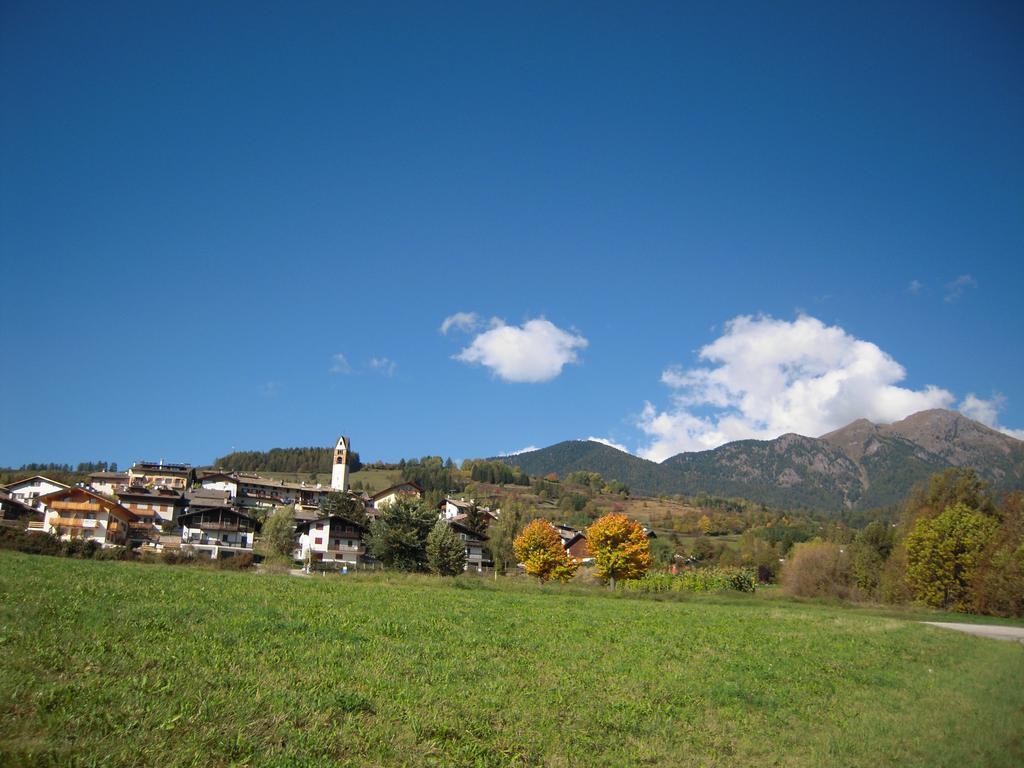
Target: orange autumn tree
(619, 548)
(539, 548)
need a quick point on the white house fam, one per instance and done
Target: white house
(454, 507)
(108, 482)
(31, 489)
(219, 533)
(80, 513)
(330, 539)
(219, 481)
(390, 495)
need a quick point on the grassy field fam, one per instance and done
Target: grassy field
(372, 480)
(108, 663)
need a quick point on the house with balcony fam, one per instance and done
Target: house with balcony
(30, 490)
(83, 514)
(216, 480)
(476, 557)
(330, 539)
(154, 474)
(108, 483)
(14, 514)
(152, 505)
(217, 533)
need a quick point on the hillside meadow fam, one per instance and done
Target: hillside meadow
(125, 664)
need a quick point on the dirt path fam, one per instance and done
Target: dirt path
(993, 631)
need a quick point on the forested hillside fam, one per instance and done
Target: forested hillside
(317, 459)
(861, 466)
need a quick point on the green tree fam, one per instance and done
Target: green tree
(398, 538)
(502, 533)
(663, 554)
(346, 505)
(943, 552)
(446, 554)
(279, 533)
(952, 486)
(868, 554)
(998, 584)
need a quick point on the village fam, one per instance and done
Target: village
(159, 507)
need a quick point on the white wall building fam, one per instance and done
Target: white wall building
(217, 533)
(330, 539)
(29, 490)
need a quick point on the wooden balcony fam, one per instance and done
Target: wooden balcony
(75, 522)
(76, 506)
(225, 527)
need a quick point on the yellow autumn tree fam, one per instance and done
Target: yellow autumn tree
(539, 548)
(619, 547)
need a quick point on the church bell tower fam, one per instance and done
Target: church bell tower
(339, 472)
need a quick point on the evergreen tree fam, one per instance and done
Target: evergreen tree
(446, 554)
(279, 533)
(398, 538)
(345, 505)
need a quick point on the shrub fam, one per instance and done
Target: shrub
(698, 580)
(818, 569)
(30, 543)
(236, 563)
(177, 557)
(115, 553)
(80, 548)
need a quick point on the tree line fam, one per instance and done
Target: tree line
(956, 546)
(316, 460)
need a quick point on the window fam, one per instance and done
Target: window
(224, 538)
(350, 543)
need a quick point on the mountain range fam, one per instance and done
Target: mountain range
(860, 466)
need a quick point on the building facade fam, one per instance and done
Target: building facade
(82, 514)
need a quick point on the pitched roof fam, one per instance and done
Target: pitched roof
(476, 535)
(397, 489)
(36, 477)
(304, 525)
(109, 475)
(223, 510)
(121, 511)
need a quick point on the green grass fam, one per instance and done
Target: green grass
(109, 663)
(372, 480)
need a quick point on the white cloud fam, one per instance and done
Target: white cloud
(527, 449)
(765, 377)
(534, 352)
(956, 288)
(384, 365)
(462, 321)
(987, 412)
(608, 442)
(340, 364)
(915, 286)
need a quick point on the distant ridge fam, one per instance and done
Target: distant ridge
(860, 466)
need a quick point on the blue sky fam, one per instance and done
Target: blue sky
(201, 207)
